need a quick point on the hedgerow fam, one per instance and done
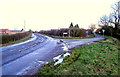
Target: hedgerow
(6, 38)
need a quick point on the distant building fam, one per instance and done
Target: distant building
(5, 31)
(16, 31)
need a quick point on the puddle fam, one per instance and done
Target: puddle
(66, 54)
(60, 58)
(65, 47)
(56, 58)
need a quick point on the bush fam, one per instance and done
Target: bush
(109, 31)
(6, 38)
(74, 32)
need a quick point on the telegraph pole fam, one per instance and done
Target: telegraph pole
(24, 24)
(69, 32)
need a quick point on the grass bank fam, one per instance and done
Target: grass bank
(17, 41)
(95, 59)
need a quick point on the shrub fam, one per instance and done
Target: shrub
(6, 38)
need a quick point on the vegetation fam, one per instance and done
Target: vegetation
(72, 31)
(95, 59)
(111, 23)
(89, 36)
(7, 39)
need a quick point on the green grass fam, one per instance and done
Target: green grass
(95, 59)
(18, 41)
(110, 40)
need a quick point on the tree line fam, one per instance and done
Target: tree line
(72, 31)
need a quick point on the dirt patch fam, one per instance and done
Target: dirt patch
(108, 40)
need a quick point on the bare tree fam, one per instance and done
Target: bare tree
(104, 20)
(113, 17)
(115, 12)
(92, 27)
(112, 21)
(116, 18)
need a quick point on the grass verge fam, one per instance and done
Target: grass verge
(18, 41)
(95, 59)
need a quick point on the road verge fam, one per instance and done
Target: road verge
(96, 59)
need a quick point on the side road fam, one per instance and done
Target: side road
(71, 43)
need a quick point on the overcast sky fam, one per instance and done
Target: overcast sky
(51, 14)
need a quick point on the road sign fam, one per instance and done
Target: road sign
(65, 33)
(87, 31)
(103, 30)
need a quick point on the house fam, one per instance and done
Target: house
(5, 31)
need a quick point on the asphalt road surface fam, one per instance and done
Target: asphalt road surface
(27, 58)
(71, 43)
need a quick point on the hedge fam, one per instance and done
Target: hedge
(6, 38)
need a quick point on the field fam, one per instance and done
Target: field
(95, 59)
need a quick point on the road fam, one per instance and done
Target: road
(26, 59)
(17, 59)
(71, 43)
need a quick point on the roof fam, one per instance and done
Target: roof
(15, 30)
(3, 30)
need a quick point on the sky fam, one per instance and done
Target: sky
(51, 14)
